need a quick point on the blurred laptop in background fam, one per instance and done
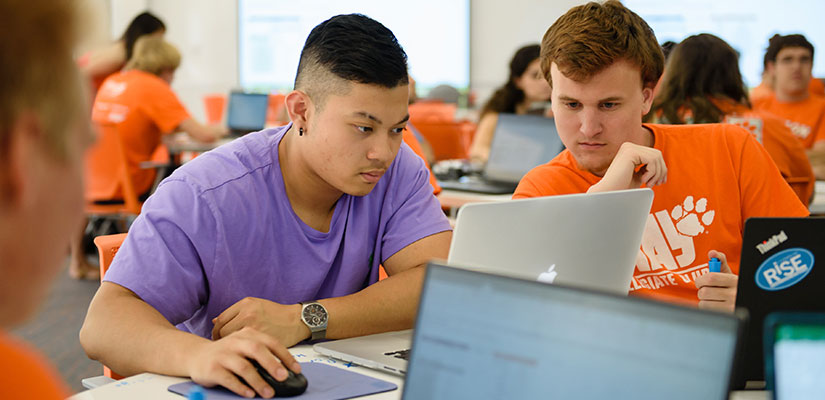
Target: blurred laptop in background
(247, 112)
(520, 143)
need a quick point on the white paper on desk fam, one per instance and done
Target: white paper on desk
(137, 387)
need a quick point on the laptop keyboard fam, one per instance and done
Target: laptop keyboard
(402, 354)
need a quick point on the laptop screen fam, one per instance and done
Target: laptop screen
(521, 143)
(247, 111)
(799, 360)
(490, 337)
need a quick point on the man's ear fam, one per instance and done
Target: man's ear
(18, 160)
(647, 99)
(298, 106)
(770, 67)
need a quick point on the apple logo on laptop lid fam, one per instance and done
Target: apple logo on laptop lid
(549, 276)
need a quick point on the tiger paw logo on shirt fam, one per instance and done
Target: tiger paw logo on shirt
(669, 231)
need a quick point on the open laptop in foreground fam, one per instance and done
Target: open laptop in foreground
(777, 272)
(247, 112)
(520, 143)
(585, 240)
(483, 336)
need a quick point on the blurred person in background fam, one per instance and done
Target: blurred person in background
(525, 88)
(98, 64)
(702, 85)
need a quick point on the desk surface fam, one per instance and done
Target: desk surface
(154, 386)
(180, 142)
(817, 207)
(454, 199)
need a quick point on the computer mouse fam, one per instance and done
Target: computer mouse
(293, 385)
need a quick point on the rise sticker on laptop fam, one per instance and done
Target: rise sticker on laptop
(784, 269)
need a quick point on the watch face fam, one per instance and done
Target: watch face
(315, 315)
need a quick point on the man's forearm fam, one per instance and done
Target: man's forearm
(129, 336)
(817, 157)
(388, 305)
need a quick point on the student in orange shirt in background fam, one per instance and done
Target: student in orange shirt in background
(44, 130)
(765, 88)
(525, 87)
(603, 61)
(97, 65)
(138, 106)
(790, 61)
(702, 84)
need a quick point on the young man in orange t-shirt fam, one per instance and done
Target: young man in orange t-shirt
(44, 130)
(789, 60)
(603, 61)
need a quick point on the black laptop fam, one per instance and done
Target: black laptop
(247, 112)
(520, 143)
(778, 272)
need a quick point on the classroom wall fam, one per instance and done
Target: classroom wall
(206, 33)
(95, 25)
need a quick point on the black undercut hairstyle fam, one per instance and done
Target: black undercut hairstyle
(351, 48)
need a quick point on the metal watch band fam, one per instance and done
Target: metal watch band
(318, 332)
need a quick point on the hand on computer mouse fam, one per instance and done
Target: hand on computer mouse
(293, 385)
(224, 362)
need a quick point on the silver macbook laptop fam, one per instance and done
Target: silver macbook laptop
(482, 336)
(520, 143)
(387, 352)
(586, 240)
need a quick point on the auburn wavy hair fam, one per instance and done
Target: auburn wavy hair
(591, 37)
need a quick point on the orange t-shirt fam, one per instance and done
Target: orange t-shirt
(785, 150)
(412, 141)
(26, 375)
(137, 107)
(805, 118)
(760, 92)
(815, 87)
(718, 177)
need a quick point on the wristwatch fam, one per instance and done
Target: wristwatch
(315, 316)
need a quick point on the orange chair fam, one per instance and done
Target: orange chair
(449, 140)
(107, 247)
(275, 110)
(432, 112)
(110, 214)
(214, 105)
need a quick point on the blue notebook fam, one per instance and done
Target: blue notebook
(325, 383)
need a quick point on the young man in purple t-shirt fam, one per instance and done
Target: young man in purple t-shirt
(278, 236)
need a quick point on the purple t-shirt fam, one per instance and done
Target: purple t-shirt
(221, 228)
